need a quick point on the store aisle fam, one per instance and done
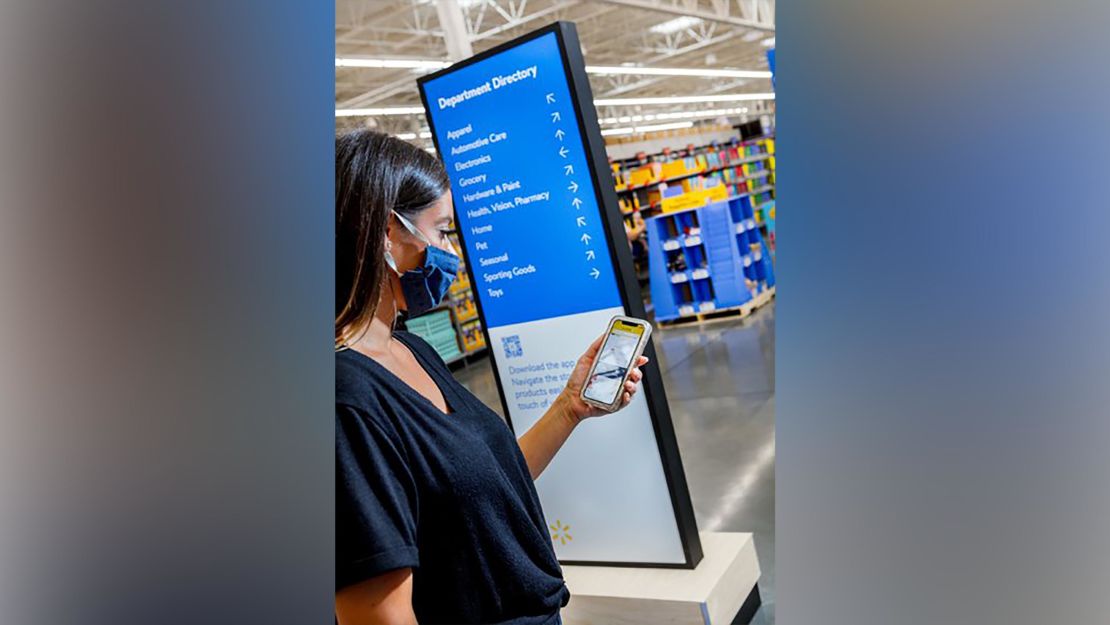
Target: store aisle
(720, 381)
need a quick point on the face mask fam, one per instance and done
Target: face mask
(426, 286)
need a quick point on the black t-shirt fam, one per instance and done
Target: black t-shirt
(449, 495)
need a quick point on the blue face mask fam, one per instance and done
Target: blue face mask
(426, 286)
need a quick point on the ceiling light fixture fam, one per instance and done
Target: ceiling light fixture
(376, 112)
(706, 114)
(671, 126)
(416, 110)
(616, 132)
(391, 63)
(693, 99)
(605, 70)
(643, 129)
(678, 71)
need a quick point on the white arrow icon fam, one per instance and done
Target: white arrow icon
(563, 152)
(586, 238)
(576, 202)
(573, 187)
(590, 255)
(595, 273)
(568, 169)
(559, 134)
(555, 117)
(550, 98)
(581, 221)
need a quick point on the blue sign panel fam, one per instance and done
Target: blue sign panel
(524, 202)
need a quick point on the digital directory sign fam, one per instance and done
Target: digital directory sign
(509, 127)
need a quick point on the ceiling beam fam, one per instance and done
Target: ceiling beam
(523, 20)
(604, 41)
(369, 23)
(634, 86)
(694, 47)
(455, 33)
(708, 16)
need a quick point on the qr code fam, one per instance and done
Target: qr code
(511, 344)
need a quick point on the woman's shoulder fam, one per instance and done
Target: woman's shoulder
(363, 392)
(359, 379)
(356, 378)
(362, 383)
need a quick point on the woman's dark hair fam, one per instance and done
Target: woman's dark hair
(374, 175)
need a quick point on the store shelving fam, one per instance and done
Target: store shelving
(438, 330)
(743, 166)
(765, 221)
(755, 257)
(746, 170)
(689, 150)
(706, 259)
(688, 174)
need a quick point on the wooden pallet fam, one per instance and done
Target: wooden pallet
(734, 312)
(764, 297)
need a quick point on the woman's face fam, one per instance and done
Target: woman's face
(408, 250)
(434, 223)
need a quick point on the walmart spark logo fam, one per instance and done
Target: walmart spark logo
(560, 532)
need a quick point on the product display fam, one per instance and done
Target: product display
(710, 221)
(676, 180)
(706, 259)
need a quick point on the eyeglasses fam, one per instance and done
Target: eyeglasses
(420, 235)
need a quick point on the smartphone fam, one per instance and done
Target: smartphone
(624, 342)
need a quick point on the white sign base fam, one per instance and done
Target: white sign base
(711, 594)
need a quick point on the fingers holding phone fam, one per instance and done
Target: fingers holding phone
(615, 374)
(632, 384)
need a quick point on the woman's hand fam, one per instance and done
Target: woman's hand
(571, 397)
(540, 443)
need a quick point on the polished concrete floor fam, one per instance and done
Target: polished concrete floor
(720, 384)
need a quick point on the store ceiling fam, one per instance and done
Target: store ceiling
(704, 34)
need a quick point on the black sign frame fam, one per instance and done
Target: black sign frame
(624, 271)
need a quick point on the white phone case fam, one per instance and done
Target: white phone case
(635, 357)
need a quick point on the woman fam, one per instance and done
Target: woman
(437, 518)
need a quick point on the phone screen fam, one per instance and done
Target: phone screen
(613, 361)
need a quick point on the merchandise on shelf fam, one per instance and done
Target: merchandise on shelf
(688, 197)
(473, 339)
(744, 167)
(628, 205)
(649, 174)
(464, 307)
(616, 171)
